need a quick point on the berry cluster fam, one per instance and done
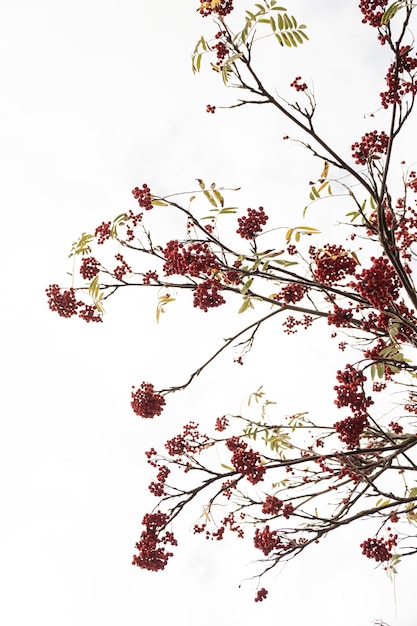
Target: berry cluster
(288, 510)
(340, 317)
(195, 259)
(221, 424)
(379, 284)
(143, 196)
(62, 302)
(291, 324)
(398, 87)
(89, 268)
(396, 427)
(221, 7)
(271, 506)
(89, 314)
(291, 293)
(379, 549)
(372, 145)
(121, 270)
(267, 540)
(208, 296)
(65, 304)
(148, 276)
(190, 441)
(245, 460)
(103, 232)
(350, 392)
(372, 11)
(210, 109)
(157, 488)
(221, 52)
(297, 85)
(251, 226)
(145, 402)
(333, 263)
(261, 595)
(351, 429)
(152, 553)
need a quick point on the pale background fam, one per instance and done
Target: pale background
(96, 98)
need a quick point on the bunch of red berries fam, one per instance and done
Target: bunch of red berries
(121, 270)
(152, 554)
(143, 196)
(207, 295)
(157, 488)
(103, 232)
(89, 268)
(149, 276)
(333, 263)
(379, 284)
(297, 85)
(267, 540)
(291, 293)
(221, 8)
(190, 441)
(221, 52)
(340, 317)
(245, 460)
(62, 302)
(261, 595)
(379, 549)
(271, 506)
(372, 144)
(350, 392)
(251, 226)
(373, 10)
(351, 429)
(399, 86)
(221, 424)
(194, 259)
(145, 402)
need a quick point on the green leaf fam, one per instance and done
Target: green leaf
(198, 62)
(227, 467)
(292, 39)
(247, 304)
(380, 370)
(228, 210)
(247, 285)
(373, 370)
(210, 198)
(298, 37)
(390, 12)
(218, 197)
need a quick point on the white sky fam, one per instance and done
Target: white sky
(98, 97)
